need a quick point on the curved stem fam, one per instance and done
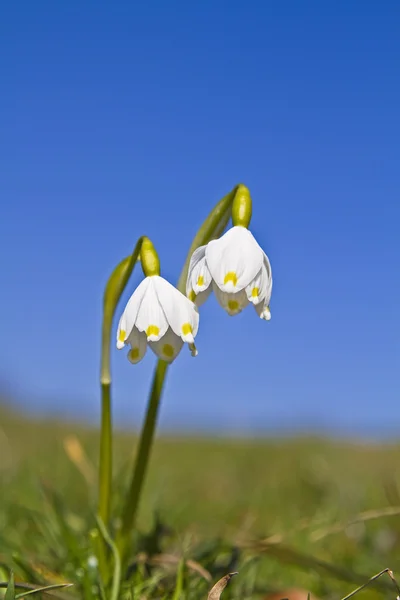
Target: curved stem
(112, 294)
(218, 217)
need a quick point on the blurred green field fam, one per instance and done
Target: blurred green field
(312, 513)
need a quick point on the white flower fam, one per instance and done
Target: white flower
(236, 268)
(157, 313)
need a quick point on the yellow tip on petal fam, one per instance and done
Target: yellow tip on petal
(192, 296)
(187, 333)
(255, 292)
(152, 330)
(168, 350)
(200, 280)
(122, 335)
(231, 277)
(187, 328)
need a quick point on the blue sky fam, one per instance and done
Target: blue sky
(122, 119)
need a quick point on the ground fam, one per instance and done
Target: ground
(310, 513)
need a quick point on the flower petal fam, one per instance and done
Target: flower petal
(232, 303)
(257, 288)
(138, 341)
(181, 313)
(199, 277)
(234, 259)
(263, 311)
(268, 270)
(168, 347)
(129, 316)
(267, 265)
(151, 318)
(197, 256)
(260, 288)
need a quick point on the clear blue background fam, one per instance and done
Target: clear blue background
(125, 118)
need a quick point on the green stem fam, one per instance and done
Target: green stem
(105, 469)
(212, 227)
(112, 293)
(142, 459)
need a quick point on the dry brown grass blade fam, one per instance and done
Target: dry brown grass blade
(368, 515)
(289, 555)
(290, 594)
(301, 525)
(322, 532)
(77, 455)
(195, 566)
(375, 578)
(31, 589)
(218, 588)
(170, 559)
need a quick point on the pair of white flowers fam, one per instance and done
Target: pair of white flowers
(158, 315)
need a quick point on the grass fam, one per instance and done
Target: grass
(303, 512)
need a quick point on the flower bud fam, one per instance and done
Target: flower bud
(242, 207)
(149, 259)
(112, 293)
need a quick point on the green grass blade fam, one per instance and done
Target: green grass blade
(45, 589)
(178, 592)
(60, 512)
(10, 592)
(117, 561)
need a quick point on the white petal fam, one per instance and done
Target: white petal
(151, 318)
(267, 265)
(129, 316)
(262, 308)
(232, 303)
(260, 288)
(199, 277)
(257, 288)
(168, 347)
(268, 270)
(138, 342)
(197, 256)
(181, 313)
(234, 260)
(263, 311)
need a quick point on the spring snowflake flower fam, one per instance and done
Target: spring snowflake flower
(236, 268)
(159, 315)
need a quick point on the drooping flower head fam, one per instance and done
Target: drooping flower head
(234, 266)
(158, 315)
